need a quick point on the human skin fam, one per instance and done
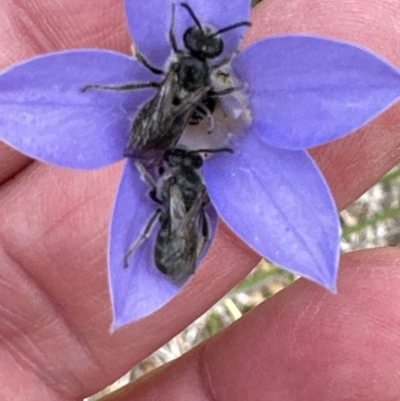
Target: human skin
(303, 344)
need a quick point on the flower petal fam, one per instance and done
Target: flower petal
(141, 288)
(278, 202)
(305, 90)
(44, 114)
(150, 21)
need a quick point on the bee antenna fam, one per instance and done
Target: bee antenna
(230, 27)
(192, 14)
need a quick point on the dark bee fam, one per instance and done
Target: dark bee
(184, 224)
(207, 106)
(185, 95)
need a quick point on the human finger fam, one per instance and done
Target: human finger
(29, 28)
(302, 344)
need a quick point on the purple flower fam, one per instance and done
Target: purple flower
(299, 92)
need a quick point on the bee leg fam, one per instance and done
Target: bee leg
(125, 87)
(205, 111)
(146, 63)
(145, 175)
(226, 91)
(146, 234)
(153, 196)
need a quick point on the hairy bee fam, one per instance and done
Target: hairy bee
(184, 96)
(184, 224)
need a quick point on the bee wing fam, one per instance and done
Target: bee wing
(204, 231)
(175, 99)
(203, 225)
(193, 225)
(184, 238)
(176, 245)
(176, 207)
(150, 122)
(162, 120)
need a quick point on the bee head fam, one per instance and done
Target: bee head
(202, 43)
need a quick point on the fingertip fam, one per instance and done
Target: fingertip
(303, 344)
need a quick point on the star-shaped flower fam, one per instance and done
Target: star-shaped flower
(301, 91)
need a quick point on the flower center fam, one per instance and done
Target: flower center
(229, 113)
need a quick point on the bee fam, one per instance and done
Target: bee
(184, 223)
(184, 96)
